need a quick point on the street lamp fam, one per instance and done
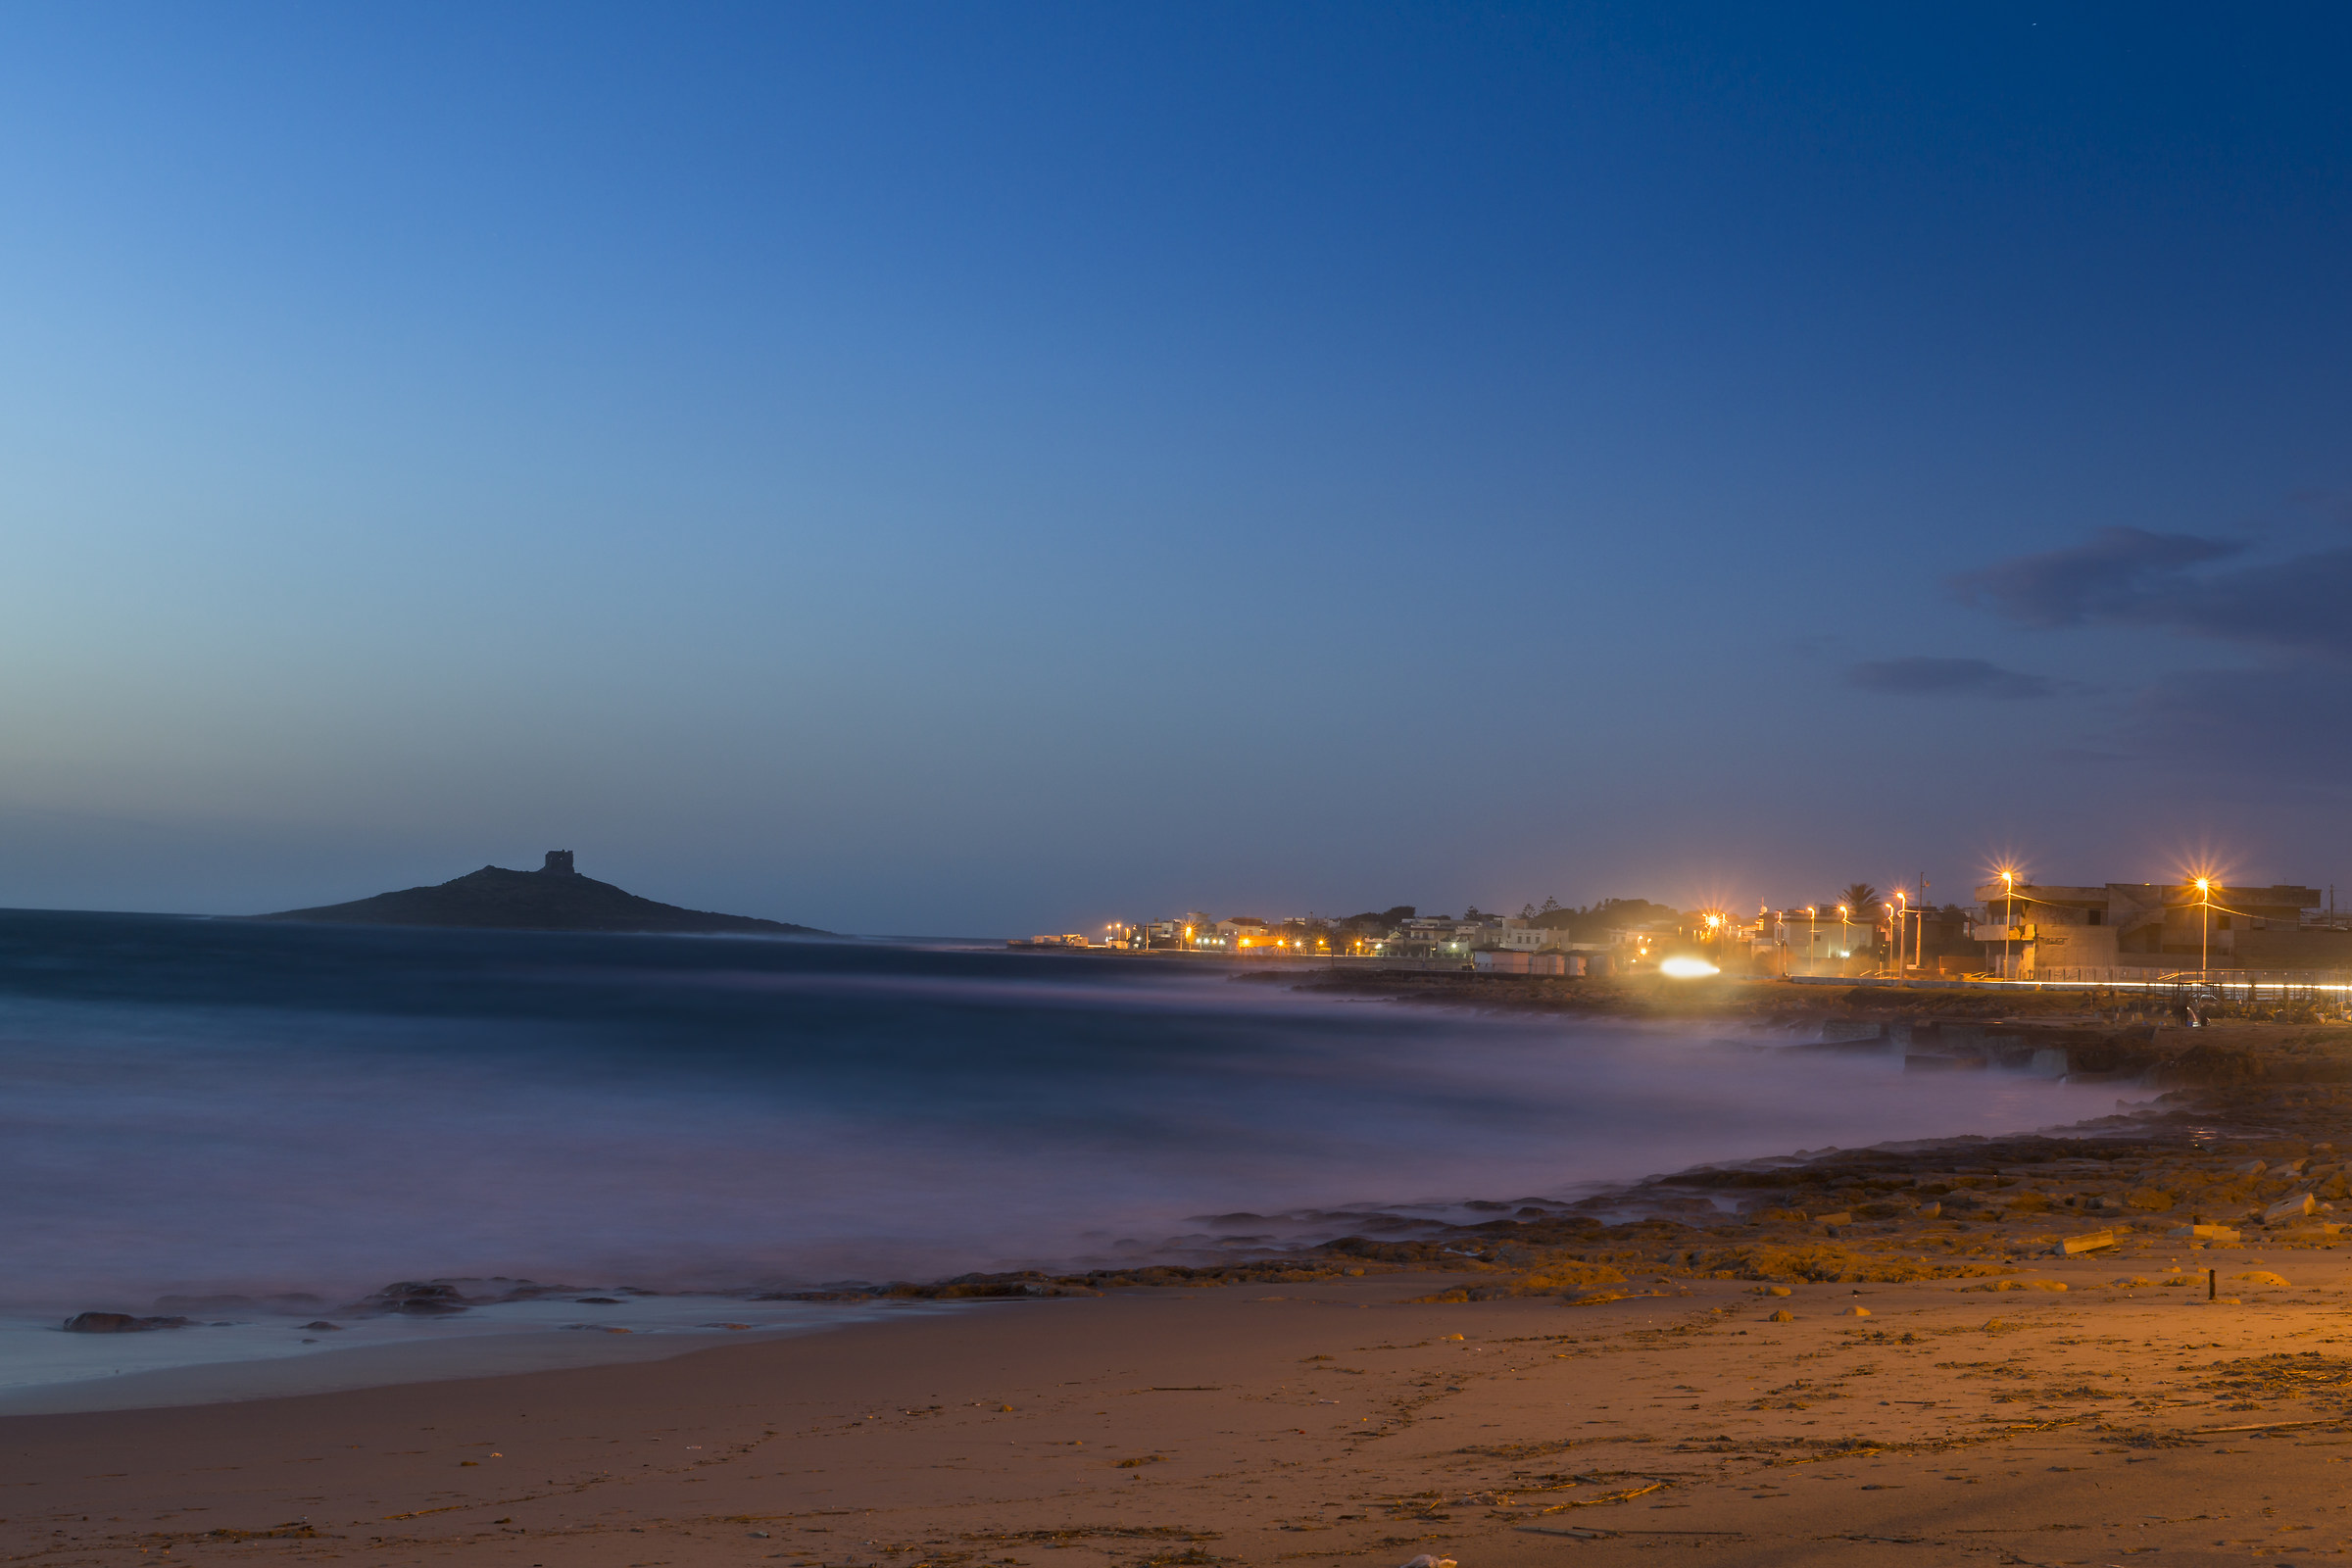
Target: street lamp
(1844, 941)
(2204, 927)
(2008, 919)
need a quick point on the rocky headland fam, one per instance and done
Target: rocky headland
(554, 898)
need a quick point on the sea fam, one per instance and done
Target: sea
(646, 1143)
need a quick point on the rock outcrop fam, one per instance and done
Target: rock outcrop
(554, 898)
(119, 1323)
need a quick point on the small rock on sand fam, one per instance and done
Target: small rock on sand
(1784, 1315)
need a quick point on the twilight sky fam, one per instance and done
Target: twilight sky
(987, 468)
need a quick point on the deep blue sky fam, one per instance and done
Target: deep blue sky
(992, 468)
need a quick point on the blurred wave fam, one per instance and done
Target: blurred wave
(192, 1107)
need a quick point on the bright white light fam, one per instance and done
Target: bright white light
(1687, 968)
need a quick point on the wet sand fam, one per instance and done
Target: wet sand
(345, 1368)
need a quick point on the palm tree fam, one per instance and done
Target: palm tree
(1861, 896)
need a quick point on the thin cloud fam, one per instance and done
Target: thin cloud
(2132, 577)
(2296, 605)
(2276, 719)
(1948, 677)
(2117, 575)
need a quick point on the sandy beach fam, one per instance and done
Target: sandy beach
(1998, 1420)
(2059, 1347)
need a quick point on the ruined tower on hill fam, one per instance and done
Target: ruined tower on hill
(554, 898)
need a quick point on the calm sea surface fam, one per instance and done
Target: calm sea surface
(193, 1106)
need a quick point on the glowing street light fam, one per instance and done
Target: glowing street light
(2204, 926)
(2008, 917)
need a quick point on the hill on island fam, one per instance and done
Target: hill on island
(554, 898)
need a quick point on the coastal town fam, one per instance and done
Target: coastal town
(2114, 933)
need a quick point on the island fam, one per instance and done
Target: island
(554, 898)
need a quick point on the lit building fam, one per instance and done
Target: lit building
(1428, 937)
(2047, 932)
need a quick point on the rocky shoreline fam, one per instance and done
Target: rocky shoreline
(2115, 1035)
(2240, 1142)
(2094, 1340)
(2204, 1170)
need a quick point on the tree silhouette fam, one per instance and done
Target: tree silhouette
(1859, 897)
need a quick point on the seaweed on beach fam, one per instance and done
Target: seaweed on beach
(1032, 1284)
(1579, 1276)
(1919, 1210)
(2306, 1375)
(1824, 1262)
(1556, 1277)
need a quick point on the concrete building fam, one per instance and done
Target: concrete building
(1504, 960)
(1793, 942)
(2037, 930)
(1520, 936)
(1427, 937)
(1233, 934)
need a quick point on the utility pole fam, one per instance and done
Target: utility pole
(2204, 928)
(2008, 920)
